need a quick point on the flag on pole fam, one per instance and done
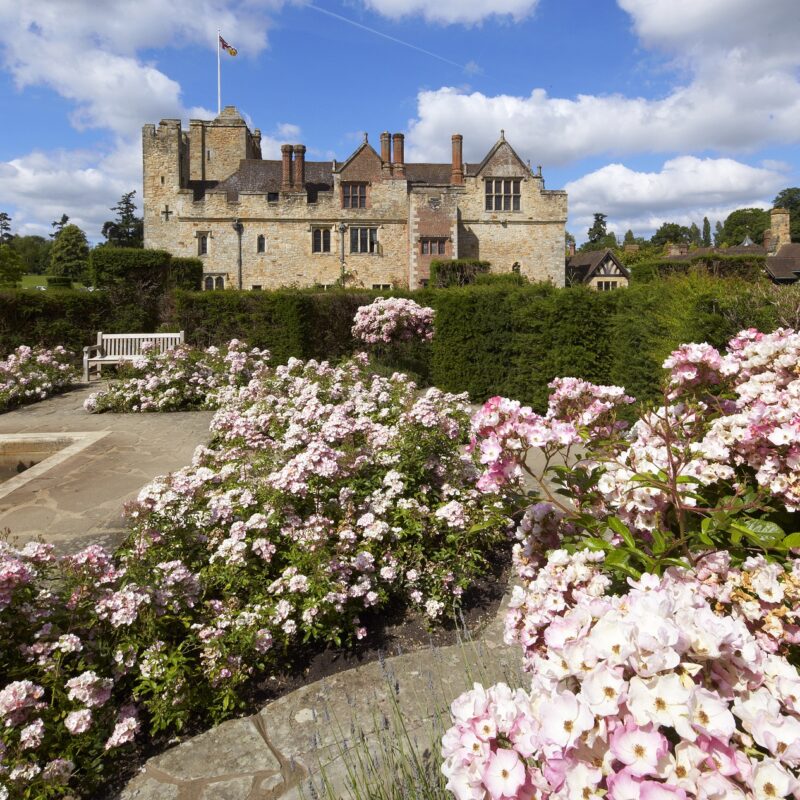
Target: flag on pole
(232, 51)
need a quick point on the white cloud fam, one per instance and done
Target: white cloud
(740, 90)
(468, 12)
(685, 190)
(91, 56)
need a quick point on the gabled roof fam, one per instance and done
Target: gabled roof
(365, 145)
(784, 266)
(582, 266)
(501, 142)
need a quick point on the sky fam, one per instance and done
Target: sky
(645, 110)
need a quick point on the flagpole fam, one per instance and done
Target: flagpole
(219, 79)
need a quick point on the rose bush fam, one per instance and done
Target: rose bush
(658, 605)
(393, 320)
(181, 379)
(328, 493)
(31, 374)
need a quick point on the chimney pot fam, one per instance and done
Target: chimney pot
(386, 152)
(457, 168)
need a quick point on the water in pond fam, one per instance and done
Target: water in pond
(16, 464)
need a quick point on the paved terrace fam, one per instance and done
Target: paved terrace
(79, 501)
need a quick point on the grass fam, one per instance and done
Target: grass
(391, 760)
(31, 281)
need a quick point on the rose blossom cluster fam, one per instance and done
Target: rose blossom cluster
(31, 374)
(180, 379)
(655, 693)
(504, 430)
(393, 319)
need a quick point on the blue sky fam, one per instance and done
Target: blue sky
(646, 110)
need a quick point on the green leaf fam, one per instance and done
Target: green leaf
(761, 532)
(619, 527)
(792, 540)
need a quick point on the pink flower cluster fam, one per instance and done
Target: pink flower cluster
(504, 430)
(31, 374)
(394, 319)
(179, 379)
(655, 693)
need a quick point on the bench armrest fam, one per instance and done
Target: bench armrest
(87, 351)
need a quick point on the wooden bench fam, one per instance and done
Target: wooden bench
(114, 348)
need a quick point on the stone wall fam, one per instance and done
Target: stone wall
(175, 215)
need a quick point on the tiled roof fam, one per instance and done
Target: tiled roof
(437, 174)
(264, 176)
(581, 266)
(785, 264)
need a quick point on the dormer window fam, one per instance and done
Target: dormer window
(354, 195)
(503, 194)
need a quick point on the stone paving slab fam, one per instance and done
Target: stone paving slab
(79, 501)
(305, 744)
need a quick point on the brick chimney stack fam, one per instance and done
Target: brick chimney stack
(399, 159)
(386, 153)
(780, 231)
(457, 170)
(286, 167)
(299, 167)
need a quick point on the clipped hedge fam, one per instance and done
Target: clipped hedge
(456, 271)
(185, 273)
(128, 266)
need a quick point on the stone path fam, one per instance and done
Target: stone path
(79, 501)
(313, 742)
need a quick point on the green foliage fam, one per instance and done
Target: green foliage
(500, 278)
(706, 236)
(5, 228)
(744, 222)
(750, 267)
(70, 253)
(34, 252)
(126, 229)
(629, 237)
(116, 266)
(598, 230)
(58, 281)
(279, 321)
(456, 272)
(11, 266)
(58, 226)
(671, 233)
(68, 318)
(185, 273)
(790, 198)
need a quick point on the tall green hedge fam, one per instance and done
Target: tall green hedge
(490, 339)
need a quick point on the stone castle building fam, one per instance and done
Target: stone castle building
(261, 224)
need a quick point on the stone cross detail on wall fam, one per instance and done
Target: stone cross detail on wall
(166, 213)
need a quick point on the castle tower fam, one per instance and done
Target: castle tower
(218, 145)
(165, 172)
(780, 231)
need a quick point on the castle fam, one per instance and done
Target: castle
(374, 219)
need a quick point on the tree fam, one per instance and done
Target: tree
(5, 228)
(745, 222)
(790, 198)
(34, 252)
(58, 226)
(598, 230)
(127, 230)
(11, 267)
(629, 237)
(706, 232)
(694, 235)
(671, 233)
(70, 253)
(718, 234)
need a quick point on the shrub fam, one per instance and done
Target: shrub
(330, 493)
(456, 272)
(58, 281)
(32, 374)
(658, 609)
(391, 321)
(178, 380)
(185, 273)
(129, 267)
